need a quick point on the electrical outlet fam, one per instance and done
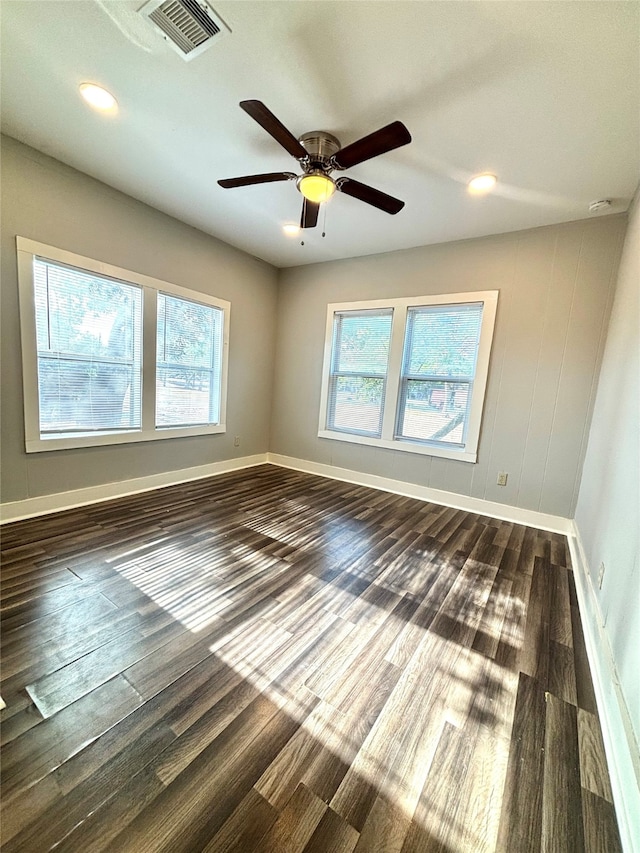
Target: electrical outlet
(502, 478)
(600, 575)
(236, 441)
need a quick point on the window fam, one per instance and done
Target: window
(359, 371)
(111, 356)
(188, 358)
(409, 374)
(439, 365)
(89, 331)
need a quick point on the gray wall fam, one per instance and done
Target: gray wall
(608, 510)
(46, 201)
(556, 288)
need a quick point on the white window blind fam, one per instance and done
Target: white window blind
(359, 366)
(88, 334)
(188, 359)
(439, 366)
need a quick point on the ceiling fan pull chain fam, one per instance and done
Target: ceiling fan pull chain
(324, 221)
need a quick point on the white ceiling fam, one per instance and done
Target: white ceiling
(543, 94)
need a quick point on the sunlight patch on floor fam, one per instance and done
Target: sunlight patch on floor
(398, 753)
(449, 708)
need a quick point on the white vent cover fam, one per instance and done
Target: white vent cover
(189, 26)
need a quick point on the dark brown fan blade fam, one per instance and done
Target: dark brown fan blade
(309, 218)
(247, 180)
(386, 139)
(273, 126)
(368, 194)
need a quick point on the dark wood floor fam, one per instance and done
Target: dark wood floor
(270, 661)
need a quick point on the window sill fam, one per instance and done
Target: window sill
(402, 446)
(97, 439)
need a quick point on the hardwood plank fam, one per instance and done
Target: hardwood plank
(562, 675)
(16, 702)
(562, 825)
(437, 807)
(346, 689)
(560, 622)
(320, 755)
(489, 631)
(26, 595)
(26, 665)
(191, 743)
(502, 531)
(65, 623)
(600, 826)
(180, 819)
(559, 550)
(168, 663)
(440, 576)
(480, 793)
(461, 611)
(521, 819)
(402, 741)
(63, 687)
(280, 779)
(99, 829)
(332, 835)
(487, 697)
(65, 814)
(534, 660)
(16, 724)
(22, 614)
(158, 711)
(40, 750)
(594, 774)
(326, 772)
(26, 807)
(245, 827)
(295, 825)
(584, 685)
(385, 828)
(510, 645)
(573, 595)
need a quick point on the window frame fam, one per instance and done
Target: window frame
(335, 374)
(213, 371)
(27, 250)
(394, 379)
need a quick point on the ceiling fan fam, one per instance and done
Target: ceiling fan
(319, 153)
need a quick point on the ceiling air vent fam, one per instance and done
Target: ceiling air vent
(189, 26)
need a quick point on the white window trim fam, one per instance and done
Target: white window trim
(26, 250)
(396, 348)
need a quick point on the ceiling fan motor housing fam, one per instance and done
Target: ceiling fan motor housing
(321, 146)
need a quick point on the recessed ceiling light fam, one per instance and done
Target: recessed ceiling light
(482, 183)
(98, 98)
(291, 230)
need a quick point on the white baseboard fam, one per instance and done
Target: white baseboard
(45, 504)
(528, 517)
(617, 730)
